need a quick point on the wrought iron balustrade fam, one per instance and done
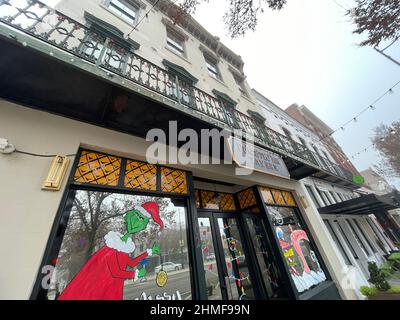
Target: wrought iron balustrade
(42, 22)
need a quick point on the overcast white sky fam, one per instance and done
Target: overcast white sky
(307, 54)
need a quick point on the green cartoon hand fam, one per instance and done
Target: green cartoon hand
(142, 273)
(156, 249)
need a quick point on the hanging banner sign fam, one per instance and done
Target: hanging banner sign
(249, 156)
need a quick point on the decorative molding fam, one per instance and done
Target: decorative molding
(237, 73)
(180, 72)
(110, 31)
(209, 53)
(225, 97)
(174, 28)
(257, 116)
(193, 27)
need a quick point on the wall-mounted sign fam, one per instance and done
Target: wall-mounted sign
(249, 156)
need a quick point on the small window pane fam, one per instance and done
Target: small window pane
(175, 43)
(295, 244)
(212, 69)
(123, 10)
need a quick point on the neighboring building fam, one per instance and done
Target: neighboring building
(379, 185)
(303, 115)
(375, 182)
(87, 82)
(360, 236)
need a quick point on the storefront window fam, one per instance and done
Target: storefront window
(119, 246)
(304, 266)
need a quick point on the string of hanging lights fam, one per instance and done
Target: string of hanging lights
(366, 149)
(355, 118)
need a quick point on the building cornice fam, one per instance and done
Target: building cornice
(190, 25)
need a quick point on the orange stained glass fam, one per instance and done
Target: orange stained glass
(217, 200)
(227, 202)
(267, 195)
(209, 200)
(289, 198)
(140, 175)
(278, 197)
(246, 198)
(98, 168)
(173, 181)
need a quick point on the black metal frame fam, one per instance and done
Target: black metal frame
(257, 283)
(282, 265)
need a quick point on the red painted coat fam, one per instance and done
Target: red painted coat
(102, 277)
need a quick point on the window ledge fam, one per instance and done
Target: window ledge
(247, 99)
(178, 55)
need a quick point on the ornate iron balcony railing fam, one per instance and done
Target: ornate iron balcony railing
(42, 22)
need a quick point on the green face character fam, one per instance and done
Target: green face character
(135, 222)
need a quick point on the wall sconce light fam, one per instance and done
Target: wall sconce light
(56, 174)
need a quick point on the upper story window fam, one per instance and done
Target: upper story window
(302, 141)
(240, 83)
(126, 10)
(212, 67)
(175, 42)
(287, 132)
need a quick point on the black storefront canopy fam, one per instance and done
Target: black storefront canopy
(364, 205)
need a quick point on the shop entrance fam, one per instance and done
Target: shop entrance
(237, 257)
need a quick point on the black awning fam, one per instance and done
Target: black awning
(364, 205)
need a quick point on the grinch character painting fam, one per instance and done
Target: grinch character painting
(103, 275)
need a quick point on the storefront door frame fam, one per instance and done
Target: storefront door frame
(257, 282)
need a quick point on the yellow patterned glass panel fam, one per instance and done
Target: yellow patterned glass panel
(173, 181)
(267, 195)
(247, 198)
(227, 202)
(217, 201)
(278, 197)
(209, 200)
(289, 198)
(98, 168)
(140, 175)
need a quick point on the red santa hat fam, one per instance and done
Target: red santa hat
(152, 210)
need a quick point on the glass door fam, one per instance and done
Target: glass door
(270, 275)
(228, 276)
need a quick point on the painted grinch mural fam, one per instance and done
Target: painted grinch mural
(102, 276)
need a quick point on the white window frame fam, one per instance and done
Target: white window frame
(241, 86)
(212, 67)
(130, 4)
(175, 42)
